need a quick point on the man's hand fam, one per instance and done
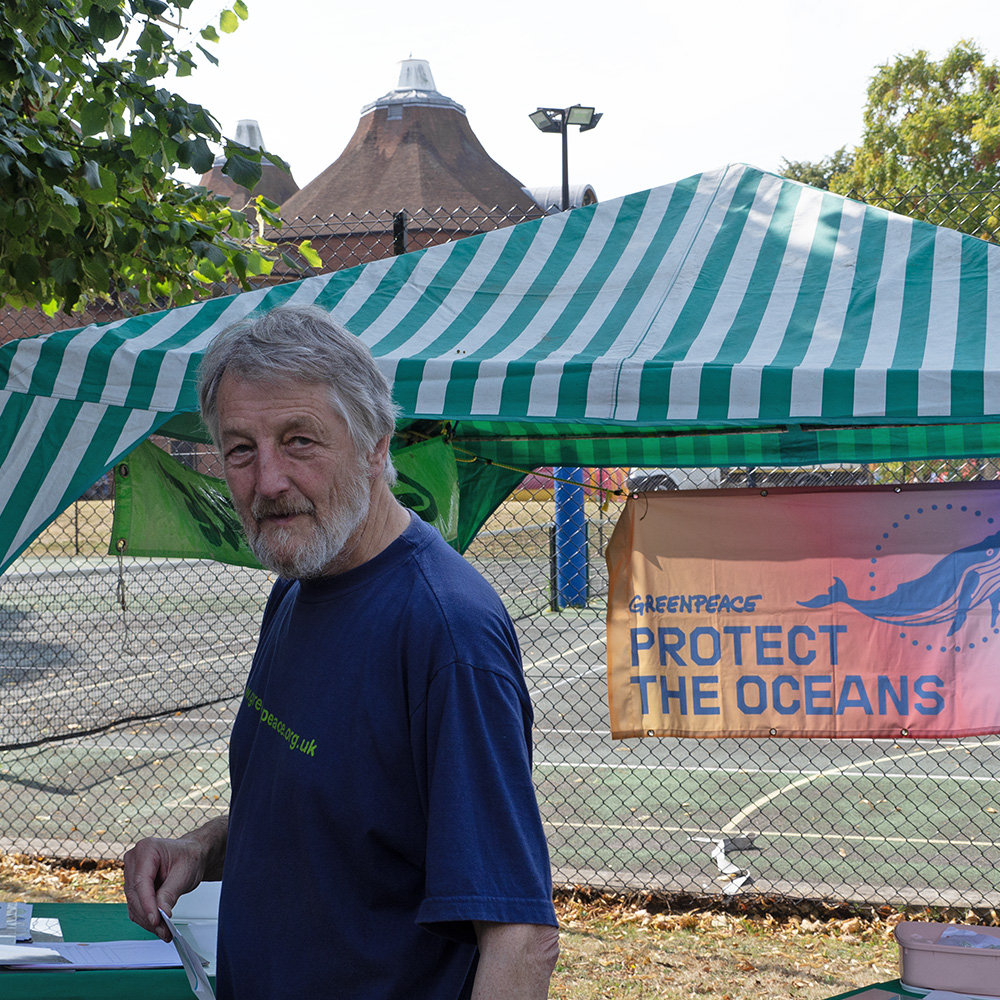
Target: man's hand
(515, 961)
(158, 872)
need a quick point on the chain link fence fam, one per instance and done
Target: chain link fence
(120, 679)
(973, 210)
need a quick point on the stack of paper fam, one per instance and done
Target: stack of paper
(15, 919)
(150, 954)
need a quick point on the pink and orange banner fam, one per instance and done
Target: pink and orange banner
(856, 611)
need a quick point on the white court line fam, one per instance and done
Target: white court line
(556, 657)
(196, 794)
(844, 772)
(734, 824)
(54, 693)
(599, 669)
(776, 834)
(605, 733)
(199, 748)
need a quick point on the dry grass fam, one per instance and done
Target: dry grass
(31, 879)
(83, 529)
(614, 948)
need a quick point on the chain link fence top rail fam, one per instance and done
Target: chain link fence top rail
(120, 681)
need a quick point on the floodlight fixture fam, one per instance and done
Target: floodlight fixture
(579, 115)
(544, 122)
(559, 120)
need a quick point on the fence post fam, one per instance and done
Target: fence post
(553, 583)
(399, 233)
(571, 539)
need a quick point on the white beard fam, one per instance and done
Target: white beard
(305, 560)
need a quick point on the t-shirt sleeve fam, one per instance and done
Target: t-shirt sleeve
(487, 858)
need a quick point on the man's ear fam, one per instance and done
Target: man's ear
(378, 458)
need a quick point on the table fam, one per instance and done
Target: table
(95, 922)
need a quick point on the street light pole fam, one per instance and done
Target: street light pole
(571, 583)
(559, 120)
(565, 163)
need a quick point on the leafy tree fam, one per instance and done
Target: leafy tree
(90, 136)
(931, 144)
(821, 173)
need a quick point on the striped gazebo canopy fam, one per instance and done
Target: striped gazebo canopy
(729, 319)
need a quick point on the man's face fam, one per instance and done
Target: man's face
(297, 482)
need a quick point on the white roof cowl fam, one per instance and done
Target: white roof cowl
(248, 133)
(415, 87)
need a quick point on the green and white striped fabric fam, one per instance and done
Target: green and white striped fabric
(731, 318)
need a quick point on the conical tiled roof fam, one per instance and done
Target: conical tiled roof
(413, 150)
(274, 183)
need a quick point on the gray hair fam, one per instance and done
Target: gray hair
(302, 343)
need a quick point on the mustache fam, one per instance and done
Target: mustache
(262, 507)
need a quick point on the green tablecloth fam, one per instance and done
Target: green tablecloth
(890, 987)
(95, 922)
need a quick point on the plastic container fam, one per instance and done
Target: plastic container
(966, 960)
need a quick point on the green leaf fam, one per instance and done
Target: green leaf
(185, 64)
(207, 271)
(32, 143)
(145, 140)
(202, 121)
(92, 173)
(239, 266)
(208, 55)
(13, 145)
(279, 162)
(64, 270)
(96, 271)
(63, 218)
(312, 258)
(241, 10)
(243, 171)
(257, 265)
(27, 269)
(60, 158)
(210, 252)
(209, 33)
(106, 189)
(105, 24)
(196, 154)
(93, 118)
(228, 22)
(67, 198)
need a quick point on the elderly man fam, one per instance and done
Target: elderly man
(383, 838)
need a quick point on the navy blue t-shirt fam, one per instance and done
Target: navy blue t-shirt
(381, 785)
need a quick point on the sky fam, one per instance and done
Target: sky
(683, 87)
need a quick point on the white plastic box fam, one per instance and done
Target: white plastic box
(953, 957)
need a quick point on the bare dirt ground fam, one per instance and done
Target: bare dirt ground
(616, 947)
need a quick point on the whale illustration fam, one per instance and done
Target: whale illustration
(947, 592)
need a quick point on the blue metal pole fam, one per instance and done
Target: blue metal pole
(571, 539)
